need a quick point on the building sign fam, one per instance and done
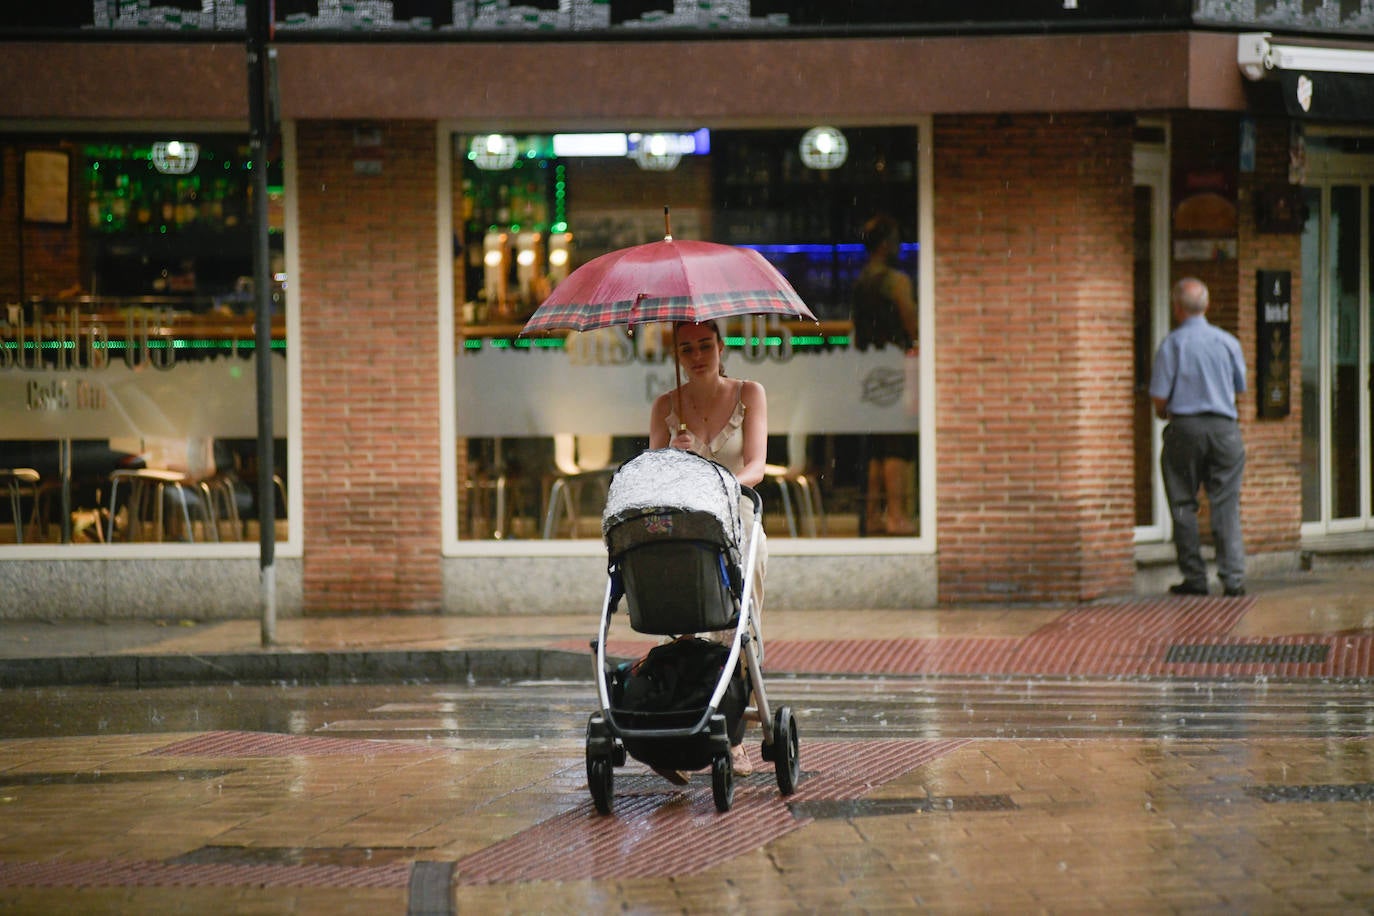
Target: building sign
(541, 391)
(70, 373)
(1273, 342)
(478, 18)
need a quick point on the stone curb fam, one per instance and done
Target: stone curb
(323, 668)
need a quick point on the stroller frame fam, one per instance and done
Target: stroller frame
(706, 735)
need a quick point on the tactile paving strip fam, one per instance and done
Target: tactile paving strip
(260, 744)
(1106, 640)
(1172, 618)
(679, 831)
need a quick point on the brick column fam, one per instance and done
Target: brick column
(1034, 322)
(370, 370)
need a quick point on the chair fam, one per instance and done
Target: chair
(149, 491)
(579, 460)
(793, 474)
(19, 482)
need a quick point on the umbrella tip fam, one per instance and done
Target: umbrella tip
(667, 225)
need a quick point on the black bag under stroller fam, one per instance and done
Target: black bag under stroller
(673, 533)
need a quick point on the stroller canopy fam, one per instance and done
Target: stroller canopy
(670, 481)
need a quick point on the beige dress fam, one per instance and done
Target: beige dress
(727, 449)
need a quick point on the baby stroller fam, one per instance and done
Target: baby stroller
(673, 534)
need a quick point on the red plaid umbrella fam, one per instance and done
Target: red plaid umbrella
(671, 280)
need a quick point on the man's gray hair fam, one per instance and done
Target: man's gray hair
(1190, 294)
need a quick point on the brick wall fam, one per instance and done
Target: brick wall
(52, 258)
(1271, 497)
(1034, 321)
(369, 357)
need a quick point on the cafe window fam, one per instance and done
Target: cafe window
(543, 420)
(127, 346)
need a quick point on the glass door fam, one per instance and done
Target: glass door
(1151, 280)
(1337, 337)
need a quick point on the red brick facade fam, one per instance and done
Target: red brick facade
(1271, 504)
(370, 369)
(1033, 322)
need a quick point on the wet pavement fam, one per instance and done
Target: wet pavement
(1171, 755)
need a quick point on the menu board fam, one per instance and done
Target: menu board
(381, 20)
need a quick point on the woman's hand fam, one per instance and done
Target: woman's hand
(683, 439)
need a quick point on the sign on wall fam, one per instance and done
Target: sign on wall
(1273, 343)
(539, 392)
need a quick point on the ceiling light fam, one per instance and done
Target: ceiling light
(824, 148)
(493, 152)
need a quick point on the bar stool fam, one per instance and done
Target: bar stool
(221, 504)
(19, 481)
(149, 488)
(579, 460)
(793, 474)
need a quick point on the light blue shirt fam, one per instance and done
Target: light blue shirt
(1199, 369)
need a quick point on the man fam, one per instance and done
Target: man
(1198, 373)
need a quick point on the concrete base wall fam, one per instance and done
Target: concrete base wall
(228, 589)
(148, 589)
(549, 585)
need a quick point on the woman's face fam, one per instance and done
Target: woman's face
(698, 350)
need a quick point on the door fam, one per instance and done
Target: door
(1151, 280)
(1337, 336)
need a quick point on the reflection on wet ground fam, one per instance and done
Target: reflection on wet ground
(834, 708)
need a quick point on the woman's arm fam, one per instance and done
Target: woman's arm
(755, 433)
(658, 422)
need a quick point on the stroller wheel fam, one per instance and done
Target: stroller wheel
(723, 782)
(786, 751)
(601, 780)
(600, 772)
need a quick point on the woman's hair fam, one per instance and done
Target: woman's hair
(881, 228)
(715, 329)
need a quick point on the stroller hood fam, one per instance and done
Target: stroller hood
(671, 480)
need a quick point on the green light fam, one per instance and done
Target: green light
(559, 227)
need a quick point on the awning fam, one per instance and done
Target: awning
(1319, 81)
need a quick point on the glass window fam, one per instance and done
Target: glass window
(126, 340)
(542, 421)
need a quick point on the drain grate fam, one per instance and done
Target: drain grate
(1352, 792)
(105, 778)
(1248, 654)
(829, 809)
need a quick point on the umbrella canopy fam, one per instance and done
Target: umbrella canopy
(672, 280)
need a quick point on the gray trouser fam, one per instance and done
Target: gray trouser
(1205, 451)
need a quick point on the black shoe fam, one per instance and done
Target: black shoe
(1236, 591)
(1183, 588)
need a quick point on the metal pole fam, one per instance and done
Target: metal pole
(259, 14)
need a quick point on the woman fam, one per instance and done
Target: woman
(885, 313)
(723, 419)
